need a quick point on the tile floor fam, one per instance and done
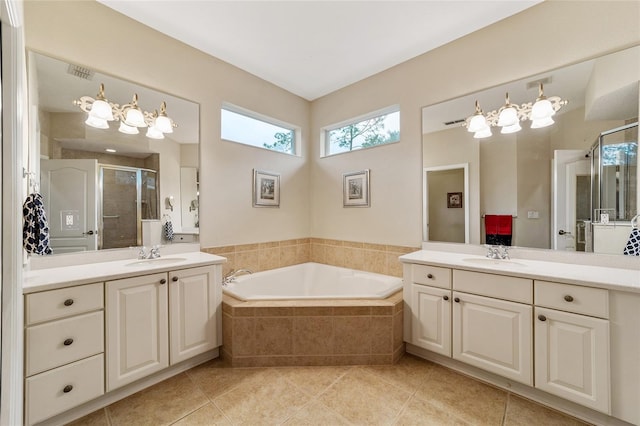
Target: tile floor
(412, 392)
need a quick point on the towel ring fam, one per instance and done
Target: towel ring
(634, 221)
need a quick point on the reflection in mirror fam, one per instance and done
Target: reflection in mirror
(189, 192)
(99, 185)
(550, 181)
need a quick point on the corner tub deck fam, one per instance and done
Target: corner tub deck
(312, 331)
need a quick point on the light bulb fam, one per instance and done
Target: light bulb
(102, 110)
(508, 117)
(542, 109)
(134, 118)
(163, 124)
(477, 123)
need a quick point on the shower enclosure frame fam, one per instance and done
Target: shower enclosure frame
(138, 171)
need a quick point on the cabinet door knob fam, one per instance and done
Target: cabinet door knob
(68, 342)
(174, 279)
(67, 389)
(430, 276)
(542, 318)
(456, 299)
(568, 298)
(68, 302)
(163, 281)
(445, 297)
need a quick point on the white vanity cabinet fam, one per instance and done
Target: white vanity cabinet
(64, 345)
(431, 308)
(572, 343)
(492, 326)
(158, 320)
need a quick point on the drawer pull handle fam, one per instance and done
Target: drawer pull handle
(67, 389)
(456, 299)
(163, 281)
(174, 279)
(430, 276)
(542, 318)
(445, 297)
(68, 302)
(68, 342)
(568, 298)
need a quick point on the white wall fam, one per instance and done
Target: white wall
(565, 33)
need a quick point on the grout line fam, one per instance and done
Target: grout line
(506, 407)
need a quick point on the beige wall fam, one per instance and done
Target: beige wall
(311, 203)
(565, 33)
(87, 33)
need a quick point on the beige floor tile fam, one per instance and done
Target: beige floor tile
(161, 404)
(313, 380)
(97, 418)
(422, 413)
(214, 380)
(522, 412)
(264, 398)
(363, 398)
(315, 414)
(209, 415)
(464, 397)
(408, 373)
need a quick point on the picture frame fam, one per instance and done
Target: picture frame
(454, 200)
(266, 189)
(355, 189)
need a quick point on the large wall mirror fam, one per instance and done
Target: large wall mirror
(102, 188)
(572, 185)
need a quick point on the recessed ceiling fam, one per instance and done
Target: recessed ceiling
(312, 48)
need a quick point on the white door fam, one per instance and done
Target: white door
(137, 330)
(494, 335)
(193, 302)
(567, 165)
(572, 357)
(69, 191)
(431, 325)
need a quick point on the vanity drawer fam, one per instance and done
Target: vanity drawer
(572, 298)
(53, 304)
(56, 343)
(498, 286)
(45, 394)
(431, 275)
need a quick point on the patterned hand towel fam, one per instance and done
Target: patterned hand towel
(168, 230)
(35, 229)
(633, 245)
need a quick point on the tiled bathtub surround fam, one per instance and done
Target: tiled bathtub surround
(312, 332)
(379, 258)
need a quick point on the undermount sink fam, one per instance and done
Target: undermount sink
(488, 261)
(158, 261)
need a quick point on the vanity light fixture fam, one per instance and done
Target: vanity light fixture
(509, 116)
(100, 111)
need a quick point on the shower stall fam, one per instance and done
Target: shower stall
(127, 196)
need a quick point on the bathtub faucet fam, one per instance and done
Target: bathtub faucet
(231, 276)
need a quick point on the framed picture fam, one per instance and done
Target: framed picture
(266, 189)
(454, 200)
(355, 189)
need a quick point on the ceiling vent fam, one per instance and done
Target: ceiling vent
(451, 123)
(80, 72)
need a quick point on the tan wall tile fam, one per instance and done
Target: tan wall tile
(338, 243)
(353, 244)
(381, 359)
(351, 359)
(309, 311)
(313, 335)
(318, 253)
(247, 259)
(352, 335)
(288, 255)
(378, 247)
(221, 250)
(269, 258)
(243, 332)
(334, 255)
(382, 310)
(394, 266)
(381, 335)
(273, 311)
(351, 310)
(273, 336)
(398, 339)
(230, 264)
(303, 240)
(285, 243)
(227, 332)
(247, 247)
(268, 244)
(375, 261)
(303, 253)
(354, 258)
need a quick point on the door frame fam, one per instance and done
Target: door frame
(425, 197)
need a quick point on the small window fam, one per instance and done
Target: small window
(377, 128)
(242, 126)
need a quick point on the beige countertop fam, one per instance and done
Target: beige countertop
(587, 275)
(67, 276)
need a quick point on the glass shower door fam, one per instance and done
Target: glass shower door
(119, 207)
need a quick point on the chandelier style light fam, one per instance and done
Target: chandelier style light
(509, 116)
(100, 111)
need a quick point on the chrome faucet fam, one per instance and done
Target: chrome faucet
(231, 276)
(153, 253)
(498, 252)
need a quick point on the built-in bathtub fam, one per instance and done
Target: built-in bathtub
(312, 314)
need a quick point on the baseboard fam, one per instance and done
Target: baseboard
(541, 397)
(123, 392)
